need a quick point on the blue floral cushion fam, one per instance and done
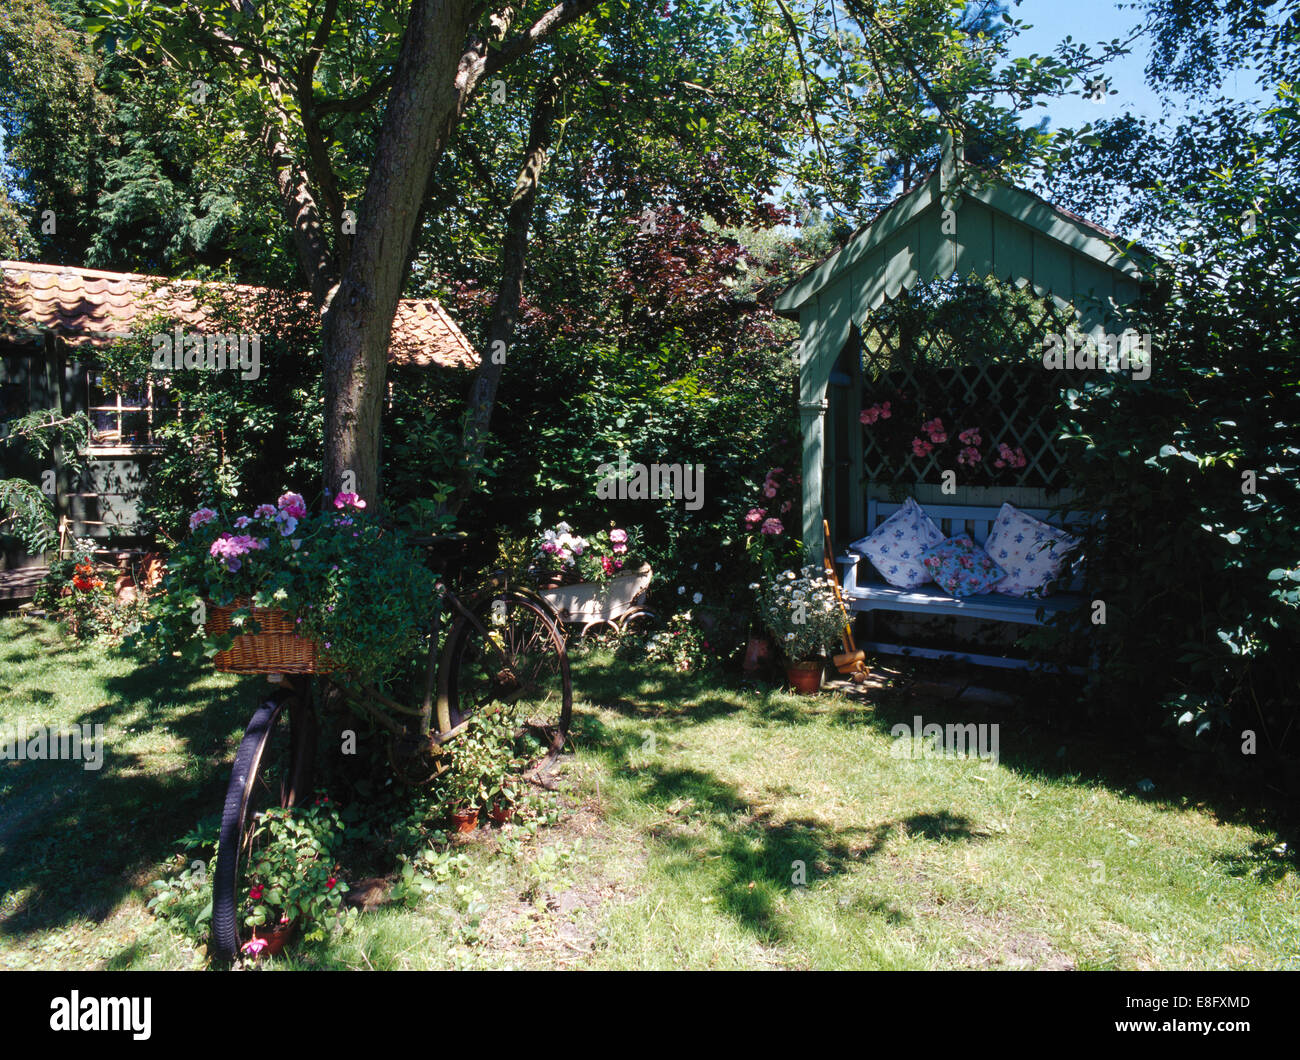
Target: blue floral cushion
(1032, 552)
(895, 546)
(960, 567)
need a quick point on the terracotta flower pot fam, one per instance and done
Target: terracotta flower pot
(276, 939)
(501, 812)
(805, 677)
(464, 820)
(758, 650)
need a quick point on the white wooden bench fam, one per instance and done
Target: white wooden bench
(865, 591)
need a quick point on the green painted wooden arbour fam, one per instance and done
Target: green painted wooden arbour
(960, 221)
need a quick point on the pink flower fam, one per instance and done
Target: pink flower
(242, 522)
(920, 447)
(875, 412)
(935, 430)
(203, 515)
(292, 505)
(969, 455)
(255, 945)
(754, 516)
(771, 526)
(264, 511)
(970, 436)
(769, 491)
(344, 500)
(618, 537)
(786, 507)
(550, 547)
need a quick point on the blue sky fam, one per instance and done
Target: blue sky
(1092, 22)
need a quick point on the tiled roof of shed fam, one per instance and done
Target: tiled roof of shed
(89, 307)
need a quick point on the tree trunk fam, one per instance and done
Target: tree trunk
(505, 312)
(422, 110)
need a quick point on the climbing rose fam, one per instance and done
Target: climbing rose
(771, 526)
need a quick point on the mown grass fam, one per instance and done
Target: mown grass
(707, 826)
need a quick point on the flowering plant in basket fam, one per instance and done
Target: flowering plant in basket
(345, 581)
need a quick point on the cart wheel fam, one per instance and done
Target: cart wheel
(521, 665)
(596, 630)
(272, 770)
(638, 622)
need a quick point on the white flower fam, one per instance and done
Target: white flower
(697, 597)
(753, 585)
(789, 636)
(681, 590)
(563, 528)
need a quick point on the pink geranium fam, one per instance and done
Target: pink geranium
(969, 455)
(292, 505)
(348, 500)
(970, 436)
(264, 511)
(203, 515)
(920, 447)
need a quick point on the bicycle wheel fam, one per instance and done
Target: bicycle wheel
(272, 769)
(521, 664)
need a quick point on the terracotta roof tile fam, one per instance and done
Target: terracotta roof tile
(87, 307)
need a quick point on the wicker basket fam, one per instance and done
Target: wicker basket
(277, 649)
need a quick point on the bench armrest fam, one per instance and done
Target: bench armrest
(848, 570)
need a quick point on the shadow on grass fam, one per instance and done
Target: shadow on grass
(75, 842)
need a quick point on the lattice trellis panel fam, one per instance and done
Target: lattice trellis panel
(970, 354)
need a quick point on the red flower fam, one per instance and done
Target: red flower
(329, 884)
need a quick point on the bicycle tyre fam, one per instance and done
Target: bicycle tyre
(534, 645)
(267, 753)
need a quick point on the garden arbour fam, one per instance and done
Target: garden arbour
(940, 307)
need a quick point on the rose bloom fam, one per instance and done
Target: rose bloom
(754, 516)
(771, 526)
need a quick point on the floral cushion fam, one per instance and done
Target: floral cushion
(960, 567)
(895, 546)
(1032, 552)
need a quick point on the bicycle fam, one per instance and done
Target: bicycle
(505, 648)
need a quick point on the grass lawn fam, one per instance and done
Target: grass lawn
(692, 806)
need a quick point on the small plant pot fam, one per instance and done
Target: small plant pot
(502, 812)
(758, 652)
(464, 820)
(276, 939)
(805, 677)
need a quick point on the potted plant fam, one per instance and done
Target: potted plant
(481, 772)
(288, 589)
(292, 878)
(802, 616)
